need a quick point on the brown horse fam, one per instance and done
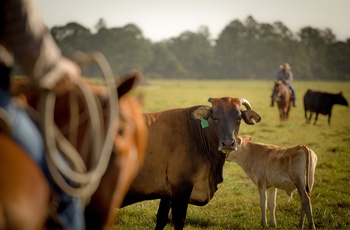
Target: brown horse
(282, 95)
(24, 188)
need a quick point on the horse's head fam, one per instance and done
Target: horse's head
(129, 142)
(277, 90)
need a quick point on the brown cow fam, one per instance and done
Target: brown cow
(271, 167)
(187, 147)
(130, 143)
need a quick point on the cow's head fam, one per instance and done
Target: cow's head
(341, 99)
(227, 113)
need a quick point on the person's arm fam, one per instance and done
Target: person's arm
(32, 45)
(291, 78)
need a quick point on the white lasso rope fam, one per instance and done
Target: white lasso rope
(66, 164)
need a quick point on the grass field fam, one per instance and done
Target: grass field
(236, 203)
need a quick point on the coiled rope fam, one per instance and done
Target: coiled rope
(64, 162)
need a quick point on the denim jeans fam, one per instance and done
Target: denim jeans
(28, 136)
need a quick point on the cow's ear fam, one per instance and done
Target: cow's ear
(202, 112)
(127, 82)
(250, 117)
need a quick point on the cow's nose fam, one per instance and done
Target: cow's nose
(228, 144)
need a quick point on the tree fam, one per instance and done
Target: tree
(164, 63)
(71, 38)
(101, 24)
(229, 49)
(315, 42)
(194, 51)
(338, 59)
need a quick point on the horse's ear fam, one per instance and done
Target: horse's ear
(127, 82)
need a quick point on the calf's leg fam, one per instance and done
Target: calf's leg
(305, 208)
(271, 203)
(262, 193)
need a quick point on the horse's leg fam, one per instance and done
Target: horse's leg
(281, 114)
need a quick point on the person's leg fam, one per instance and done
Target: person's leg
(293, 95)
(24, 131)
(28, 136)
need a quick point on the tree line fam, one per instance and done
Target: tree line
(243, 50)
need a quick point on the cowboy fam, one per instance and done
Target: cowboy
(24, 37)
(285, 75)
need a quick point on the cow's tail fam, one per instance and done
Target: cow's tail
(308, 162)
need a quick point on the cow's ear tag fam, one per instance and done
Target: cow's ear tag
(204, 123)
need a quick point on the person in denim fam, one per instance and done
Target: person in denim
(25, 38)
(286, 76)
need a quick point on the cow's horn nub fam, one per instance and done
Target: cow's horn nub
(246, 103)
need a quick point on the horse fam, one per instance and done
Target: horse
(282, 95)
(23, 185)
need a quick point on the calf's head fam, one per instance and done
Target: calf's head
(227, 114)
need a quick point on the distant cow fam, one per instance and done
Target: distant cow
(271, 167)
(321, 102)
(187, 147)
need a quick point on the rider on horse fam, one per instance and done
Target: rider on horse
(285, 75)
(24, 36)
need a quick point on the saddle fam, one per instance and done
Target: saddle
(53, 220)
(5, 127)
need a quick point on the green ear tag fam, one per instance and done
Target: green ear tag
(204, 123)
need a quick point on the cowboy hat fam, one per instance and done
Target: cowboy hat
(285, 66)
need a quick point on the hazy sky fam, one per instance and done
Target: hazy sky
(163, 19)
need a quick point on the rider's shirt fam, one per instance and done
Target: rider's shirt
(285, 77)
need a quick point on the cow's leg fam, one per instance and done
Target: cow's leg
(271, 203)
(305, 208)
(305, 114)
(262, 193)
(310, 116)
(316, 118)
(179, 205)
(329, 118)
(162, 215)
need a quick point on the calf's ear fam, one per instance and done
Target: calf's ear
(250, 117)
(202, 112)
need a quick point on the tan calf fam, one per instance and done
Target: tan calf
(271, 167)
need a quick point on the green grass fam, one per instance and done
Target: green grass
(236, 203)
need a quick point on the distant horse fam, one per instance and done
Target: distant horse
(282, 95)
(25, 189)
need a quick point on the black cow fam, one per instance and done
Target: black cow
(321, 102)
(185, 155)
